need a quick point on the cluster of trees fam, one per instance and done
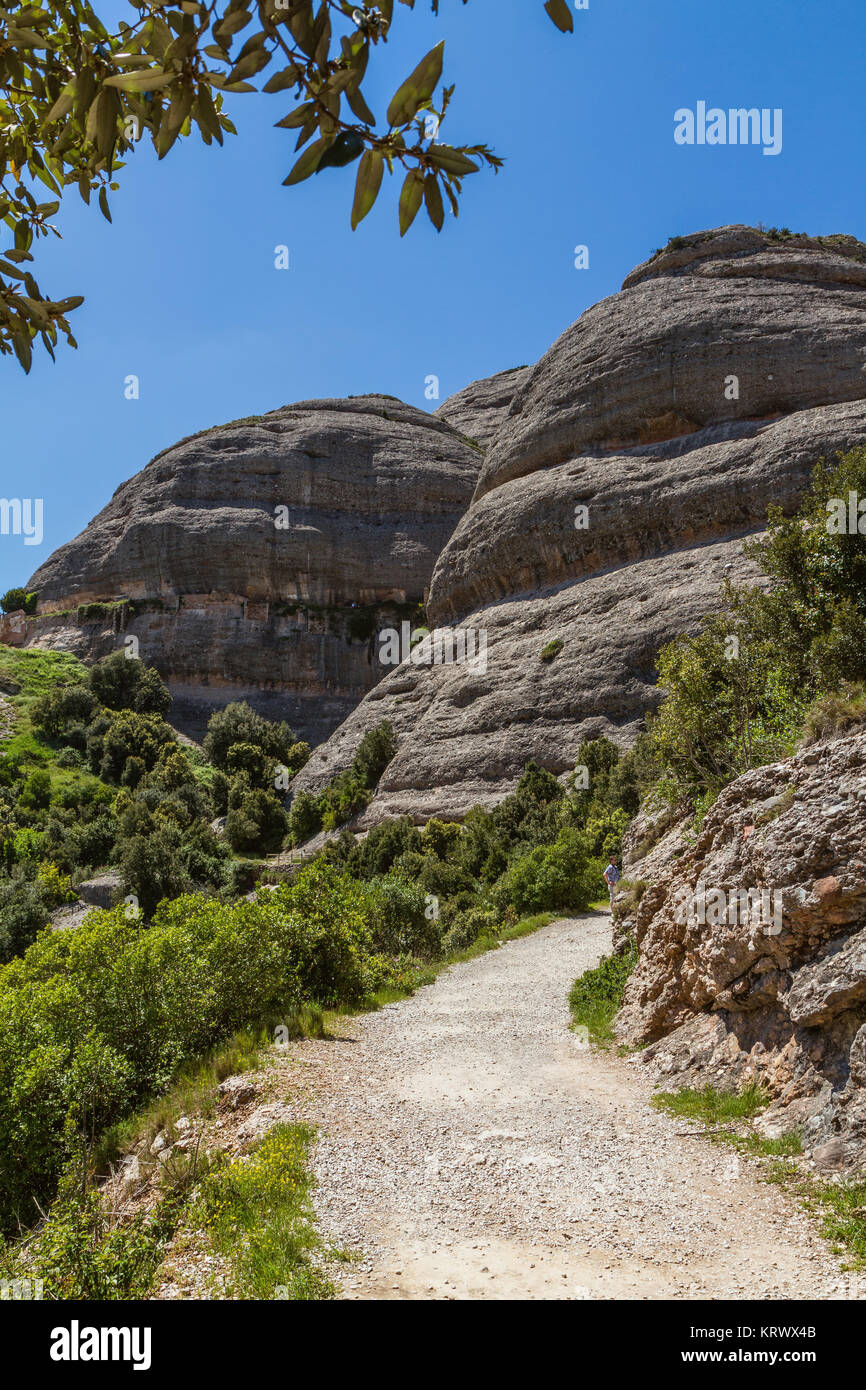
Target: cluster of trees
(348, 793)
(540, 849)
(739, 693)
(93, 1022)
(137, 800)
(255, 761)
(14, 600)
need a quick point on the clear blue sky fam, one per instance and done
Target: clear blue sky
(181, 290)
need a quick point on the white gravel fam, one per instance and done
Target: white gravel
(470, 1148)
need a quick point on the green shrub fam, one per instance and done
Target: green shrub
(738, 692)
(399, 921)
(596, 996)
(237, 723)
(110, 1011)
(13, 600)
(552, 650)
(562, 875)
(835, 713)
(121, 682)
(468, 926)
(256, 819)
(305, 818)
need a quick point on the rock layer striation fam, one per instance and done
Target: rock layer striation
(614, 497)
(258, 560)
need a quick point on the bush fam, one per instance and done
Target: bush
(69, 758)
(737, 693)
(562, 875)
(13, 600)
(154, 998)
(121, 682)
(152, 867)
(36, 793)
(69, 707)
(398, 917)
(16, 599)
(23, 913)
(466, 927)
(835, 714)
(237, 723)
(256, 819)
(305, 818)
(596, 996)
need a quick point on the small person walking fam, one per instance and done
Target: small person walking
(611, 877)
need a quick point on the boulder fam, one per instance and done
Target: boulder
(236, 1091)
(103, 891)
(13, 628)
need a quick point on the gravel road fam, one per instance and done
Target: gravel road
(471, 1148)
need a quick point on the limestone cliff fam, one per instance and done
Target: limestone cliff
(633, 459)
(257, 560)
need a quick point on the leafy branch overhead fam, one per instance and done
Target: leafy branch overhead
(75, 98)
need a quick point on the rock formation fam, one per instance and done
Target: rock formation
(613, 500)
(773, 989)
(480, 408)
(258, 560)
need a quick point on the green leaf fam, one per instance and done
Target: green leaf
(355, 98)
(63, 105)
(308, 162)
(433, 199)
(103, 204)
(411, 197)
(561, 15)
(279, 81)
(417, 88)
(451, 160)
(367, 184)
(140, 81)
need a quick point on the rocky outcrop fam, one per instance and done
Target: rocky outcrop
(258, 560)
(613, 500)
(13, 629)
(752, 950)
(480, 408)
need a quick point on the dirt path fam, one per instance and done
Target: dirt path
(471, 1149)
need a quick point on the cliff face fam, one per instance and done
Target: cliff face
(480, 408)
(775, 994)
(613, 500)
(258, 560)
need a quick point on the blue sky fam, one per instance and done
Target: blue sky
(181, 290)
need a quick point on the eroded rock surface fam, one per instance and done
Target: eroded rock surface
(613, 500)
(766, 995)
(259, 559)
(480, 408)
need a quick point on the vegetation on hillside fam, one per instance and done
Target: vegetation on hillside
(738, 694)
(92, 778)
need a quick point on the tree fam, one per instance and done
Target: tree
(123, 682)
(75, 98)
